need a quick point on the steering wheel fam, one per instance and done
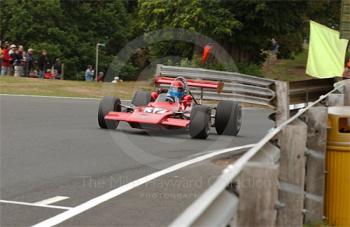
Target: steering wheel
(170, 99)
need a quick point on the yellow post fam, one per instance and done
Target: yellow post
(337, 192)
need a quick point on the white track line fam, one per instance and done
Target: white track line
(51, 200)
(56, 97)
(129, 186)
(35, 205)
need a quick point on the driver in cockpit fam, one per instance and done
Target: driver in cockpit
(176, 91)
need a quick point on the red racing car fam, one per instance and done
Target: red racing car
(173, 108)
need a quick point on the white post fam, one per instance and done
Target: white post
(96, 66)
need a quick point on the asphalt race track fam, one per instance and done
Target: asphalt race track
(52, 148)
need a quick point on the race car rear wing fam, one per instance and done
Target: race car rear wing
(217, 85)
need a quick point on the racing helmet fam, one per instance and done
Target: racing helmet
(177, 89)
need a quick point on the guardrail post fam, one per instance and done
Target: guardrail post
(282, 102)
(158, 69)
(258, 189)
(315, 163)
(292, 174)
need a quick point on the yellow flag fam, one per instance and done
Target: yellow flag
(326, 52)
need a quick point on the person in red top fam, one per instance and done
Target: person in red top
(100, 77)
(346, 74)
(6, 67)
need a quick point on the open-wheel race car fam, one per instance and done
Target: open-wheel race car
(173, 108)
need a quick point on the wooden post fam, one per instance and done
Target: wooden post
(347, 92)
(258, 187)
(292, 173)
(282, 104)
(315, 164)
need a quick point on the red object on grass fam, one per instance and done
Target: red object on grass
(206, 52)
(49, 75)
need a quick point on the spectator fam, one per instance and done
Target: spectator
(89, 73)
(13, 47)
(6, 67)
(44, 64)
(1, 47)
(18, 60)
(13, 54)
(57, 68)
(49, 74)
(346, 73)
(100, 77)
(29, 62)
(275, 46)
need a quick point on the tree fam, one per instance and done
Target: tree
(33, 23)
(96, 22)
(326, 12)
(286, 21)
(71, 29)
(206, 17)
(263, 20)
(67, 29)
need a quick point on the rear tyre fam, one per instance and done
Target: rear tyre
(228, 118)
(108, 104)
(200, 122)
(141, 98)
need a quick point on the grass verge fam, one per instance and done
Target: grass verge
(287, 69)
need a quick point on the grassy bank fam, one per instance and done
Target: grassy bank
(287, 70)
(66, 88)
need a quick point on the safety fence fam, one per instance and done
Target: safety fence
(278, 182)
(246, 88)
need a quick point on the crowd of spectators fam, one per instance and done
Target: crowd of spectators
(15, 61)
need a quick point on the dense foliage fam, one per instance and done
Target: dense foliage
(71, 29)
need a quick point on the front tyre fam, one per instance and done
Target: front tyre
(108, 104)
(228, 118)
(200, 122)
(141, 98)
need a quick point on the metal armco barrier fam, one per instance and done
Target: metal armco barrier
(309, 90)
(238, 87)
(246, 88)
